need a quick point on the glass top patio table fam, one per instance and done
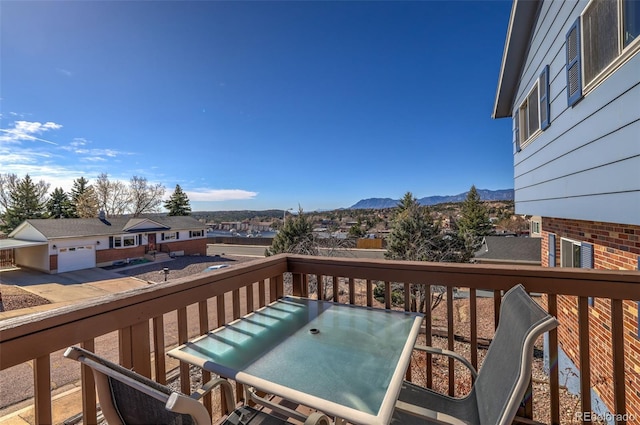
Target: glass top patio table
(344, 360)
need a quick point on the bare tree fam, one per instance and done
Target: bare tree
(145, 197)
(113, 196)
(8, 183)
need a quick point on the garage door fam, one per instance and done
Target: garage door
(76, 258)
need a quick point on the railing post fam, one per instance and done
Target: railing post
(89, 411)
(158, 349)
(585, 356)
(203, 322)
(183, 336)
(554, 373)
(42, 389)
(617, 345)
(450, 341)
(135, 348)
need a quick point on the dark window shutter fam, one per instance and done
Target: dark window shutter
(574, 67)
(190, 234)
(162, 236)
(177, 235)
(139, 239)
(516, 129)
(586, 262)
(545, 106)
(586, 255)
(110, 241)
(552, 250)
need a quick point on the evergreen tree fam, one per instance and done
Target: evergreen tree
(415, 236)
(25, 201)
(178, 203)
(296, 236)
(84, 201)
(59, 205)
(412, 230)
(474, 223)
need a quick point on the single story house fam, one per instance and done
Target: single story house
(62, 245)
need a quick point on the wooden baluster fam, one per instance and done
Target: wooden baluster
(428, 339)
(42, 389)
(235, 297)
(89, 411)
(473, 318)
(221, 318)
(387, 295)
(369, 293)
(450, 340)
(262, 293)
(336, 288)
(203, 322)
(554, 373)
(352, 291)
(183, 336)
(158, 349)
(320, 287)
(617, 344)
(249, 297)
(297, 285)
(585, 357)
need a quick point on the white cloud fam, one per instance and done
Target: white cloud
(26, 130)
(94, 159)
(220, 194)
(79, 141)
(77, 146)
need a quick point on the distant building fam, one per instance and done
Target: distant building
(509, 250)
(62, 245)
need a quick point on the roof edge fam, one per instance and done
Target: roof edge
(523, 16)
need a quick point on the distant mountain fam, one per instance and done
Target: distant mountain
(485, 195)
(374, 203)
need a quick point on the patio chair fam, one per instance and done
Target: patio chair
(127, 397)
(503, 379)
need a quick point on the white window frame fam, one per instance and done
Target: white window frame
(170, 236)
(623, 54)
(196, 233)
(119, 241)
(536, 227)
(568, 259)
(523, 116)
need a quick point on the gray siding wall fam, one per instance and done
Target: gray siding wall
(586, 165)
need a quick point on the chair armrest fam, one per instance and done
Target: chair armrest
(225, 387)
(434, 350)
(433, 416)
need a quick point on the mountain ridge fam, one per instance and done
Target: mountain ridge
(485, 195)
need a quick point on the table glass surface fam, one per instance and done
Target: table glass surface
(350, 360)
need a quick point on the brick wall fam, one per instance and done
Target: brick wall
(190, 247)
(616, 247)
(106, 256)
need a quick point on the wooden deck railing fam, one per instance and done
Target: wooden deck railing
(146, 319)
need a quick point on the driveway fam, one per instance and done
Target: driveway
(70, 286)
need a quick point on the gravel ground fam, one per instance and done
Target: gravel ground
(15, 298)
(180, 267)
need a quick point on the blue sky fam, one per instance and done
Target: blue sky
(257, 105)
